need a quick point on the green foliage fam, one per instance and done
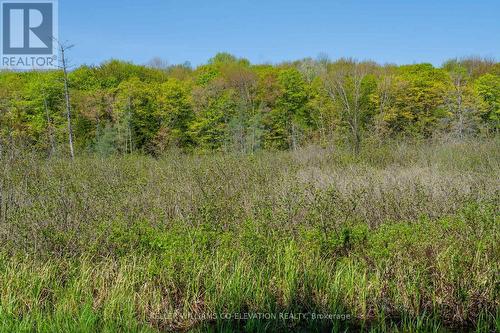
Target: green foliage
(224, 58)
(290, 116)
(205, 74)
(231, 105)
(30, 111)
(213, 108)
(137, 103)
(488, 89)
(418, 100)
(175, 113)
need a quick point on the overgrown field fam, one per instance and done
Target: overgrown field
(401, 238)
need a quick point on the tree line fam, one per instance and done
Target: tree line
(230, 104)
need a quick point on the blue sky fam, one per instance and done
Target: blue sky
(403, 31)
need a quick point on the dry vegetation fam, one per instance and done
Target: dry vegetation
(403, 237)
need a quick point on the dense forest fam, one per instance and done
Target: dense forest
(231, 105)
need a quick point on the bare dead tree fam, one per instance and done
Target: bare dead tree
(460, 75)
(344, 86)
(158, 63)
(63, 48)
(458, 83)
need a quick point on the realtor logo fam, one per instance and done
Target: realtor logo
(29, 31)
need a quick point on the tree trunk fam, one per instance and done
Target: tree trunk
(68, 104)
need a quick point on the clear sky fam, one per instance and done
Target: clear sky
(395, 31)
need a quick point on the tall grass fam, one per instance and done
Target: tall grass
(402, 238)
